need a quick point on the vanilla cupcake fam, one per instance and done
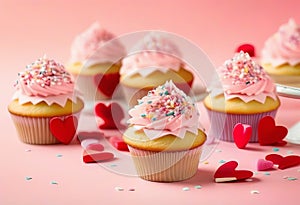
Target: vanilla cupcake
(163, 137)
(248, 95)
(45, 100)
(280, 56)
(95, 63)
(153, 61)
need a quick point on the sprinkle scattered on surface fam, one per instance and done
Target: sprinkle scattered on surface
(27, 150)
(131, 189)
(267, 173)
(291, 178)
(119, 188)
(276, 149)
(249, 180)
(59, 155)
(198, 187)
(53, 182)
(28, 178)
(185, 189)
(290, 152)
(254, 192)
(222, 161)
(113, 165)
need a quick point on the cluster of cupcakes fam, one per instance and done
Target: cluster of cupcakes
(163, 135)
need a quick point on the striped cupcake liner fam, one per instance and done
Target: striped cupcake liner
(166, 166)
(222, 124)
(35, 130)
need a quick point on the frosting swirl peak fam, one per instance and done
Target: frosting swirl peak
(165, 110)
(245, 79)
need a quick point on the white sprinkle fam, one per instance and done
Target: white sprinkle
(198, 187)
(27, 150)
(249, 180)
(119, 188)
(54, 182)
(254, 192)
(185, 189)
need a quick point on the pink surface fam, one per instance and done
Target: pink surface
(31, 28)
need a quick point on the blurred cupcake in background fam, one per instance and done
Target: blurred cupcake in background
(280, 56)
(154, 60)
(46, 106)
(95, 62)
(248, 95)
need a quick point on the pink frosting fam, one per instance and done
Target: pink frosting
(154, 52)
(165, 110)
(284, 46)
(245, 79)
(45, 80)
(96, 45)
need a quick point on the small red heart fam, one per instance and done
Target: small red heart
(93, 157)
(227, 172)
(247, 48)
(284, 162)
(112, 115)
(107, 83)
(64, 129)
(118, 143)
(263, 165)
(269, 133)
(95, 147)
(242, 134)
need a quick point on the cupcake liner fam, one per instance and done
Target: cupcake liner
(166, 166)
(35, 130)
(222, 124)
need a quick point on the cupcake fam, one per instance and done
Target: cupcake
(280, 56)
(163, 136)
(44, 100)
(155, 60)
(95, 63)
(248, 94)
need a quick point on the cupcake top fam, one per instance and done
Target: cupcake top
(243, 78)
(96, 45)
(154, 52)
(45, 80)
(284, 46)
(165, 110)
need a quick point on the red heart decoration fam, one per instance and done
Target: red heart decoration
(112, 115)
(284, 162)
(107, 83)
(247, 48)
(118, 143)
(269, 133)
(64, 129)
(242, 134)
(227, 172)
(93, 157)
(263, 165)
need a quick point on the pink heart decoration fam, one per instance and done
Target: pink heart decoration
(247, 48)
(64, 129)
(284, 162)
(111, 114)
(263, 165)
(269, 133)
(95, 147)
(242, 134)
(227, 172)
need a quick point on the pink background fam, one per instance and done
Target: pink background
(32, 28)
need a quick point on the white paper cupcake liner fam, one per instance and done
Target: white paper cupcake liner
(222, 124)
(35, 130)
(166, 166)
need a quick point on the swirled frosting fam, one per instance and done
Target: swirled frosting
(284, 46)
(165, 110)
(96, 45)
(154, 52)
(45, 80)
(243, 78)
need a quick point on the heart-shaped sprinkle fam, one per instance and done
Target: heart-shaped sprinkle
(263, 165)
(118, 143)
(95, 147)
(284, 162)
(107, 83)
(112, 115)
(269, 133)
(63, 129)
(93, 156)
(247, 48)
(227, 172)
(242, 134)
